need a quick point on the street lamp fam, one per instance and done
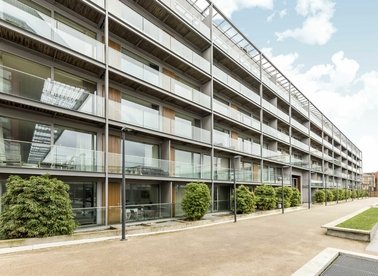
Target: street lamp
(123, 194)
(236, 161)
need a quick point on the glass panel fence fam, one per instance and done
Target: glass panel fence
(131, 17)
(50, 92)
(143, 72)
(33, 21)
(15, 153)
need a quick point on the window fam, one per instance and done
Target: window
(184, 125)
(142, 155)
(187, 164)
(222, 168)
(83, 198)
(221, 137)
(74, 25)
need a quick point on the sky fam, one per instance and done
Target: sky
(329, 50)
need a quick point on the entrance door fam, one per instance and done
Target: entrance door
(114, 196)
(222, 198)
(296, 182)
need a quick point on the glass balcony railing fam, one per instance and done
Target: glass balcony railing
(242, 175)
(316, 152)
(145, 73)
(327, 144)
(275, 155)
(136, 20)
(145, 166)
(47, 91)
(275, 133)
(299, 144)
(316, 120)
(151, 119)
(299, 126)
(302, 109)
(235, 85)
(178, 6)
(100, 3)
(223, 140)
(235, 53)
(316, 137)
(299, 162)
(235, 114)
(275, 87)
(31, 20)
(316, 182)
(23, 154)
(273, 109)
(316, 167)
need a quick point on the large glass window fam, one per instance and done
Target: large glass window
(138, 194)
(83, 198)
(221, 137)
(222, 168)
(184, 125)
(187, 164)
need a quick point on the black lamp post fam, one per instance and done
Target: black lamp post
(123, 194)
(236, 160)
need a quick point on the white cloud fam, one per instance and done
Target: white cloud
(228, 7)
(317, 27)
(280, 14)
(346, 96)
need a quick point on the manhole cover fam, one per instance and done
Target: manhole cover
(348, 265)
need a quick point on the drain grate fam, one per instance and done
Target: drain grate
(348, 265)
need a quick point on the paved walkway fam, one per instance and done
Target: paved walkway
(271, 245)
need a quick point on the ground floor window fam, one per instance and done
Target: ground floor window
(84, 201)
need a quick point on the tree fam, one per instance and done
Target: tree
(266, 197)
(196, 201)
(246, 200)
(288, 193)
(36, 207)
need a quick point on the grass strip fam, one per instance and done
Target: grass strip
(364, 221)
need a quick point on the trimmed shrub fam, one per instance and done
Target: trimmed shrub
(196, 200)
(335, 194)
(295, 198)
(329, 195)
(36, 207)
(265, 197)
(348, 194)
(319, 196)
(288, 193)
(245, 200)
(341, 194)
(353, 194)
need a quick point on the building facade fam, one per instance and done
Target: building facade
(192, 91)
(370, 181)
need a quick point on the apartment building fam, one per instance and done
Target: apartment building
(192, 91)
(369, 181)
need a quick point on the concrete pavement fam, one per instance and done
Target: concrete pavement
(271, 245)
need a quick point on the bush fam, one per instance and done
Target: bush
(265, 197)
(341, 194)
(319, 196)
(288, 193)
(329, 195)
(353, 194)
(246, 200)
(348, 194)
(196, 200)
(36, 207)
(335, 194)
(295, 198)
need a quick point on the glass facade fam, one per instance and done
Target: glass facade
(83, 199)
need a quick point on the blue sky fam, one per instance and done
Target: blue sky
(329, 49)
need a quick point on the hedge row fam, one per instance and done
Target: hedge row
(337, 194)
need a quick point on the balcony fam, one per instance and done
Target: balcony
(152, 167)
(275, 155)
(235, 114)
(151, 76)
(275, 133)
(299, 144)
(316, 137)
(177, 6)
(242, 175)
(33, 155)
(316, 167)
(299, 126)
(302, 109)
(327, 144)
(316, 152)
(235, 53)
(275, 87)
(315, 119)
(235, 85)
(152, 120)
(223, 140)
(268, 106)
(134, 19)
(20, 84)
(37, 23)
(316, 182)
(299, 162)
(100, 3)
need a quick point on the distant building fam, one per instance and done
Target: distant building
(369, 181)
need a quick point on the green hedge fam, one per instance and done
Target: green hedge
(246, 200)
(319, 196)
(196, 201)
(329, 195)
(288, 193)
(295, 198)
(265, 197)
(36, 207)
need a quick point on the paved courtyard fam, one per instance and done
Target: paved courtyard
(272, 245)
